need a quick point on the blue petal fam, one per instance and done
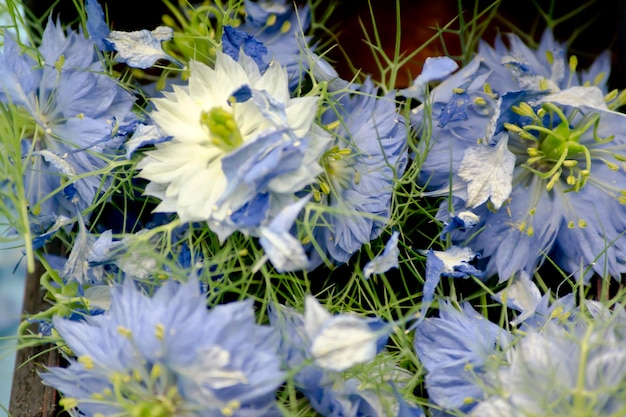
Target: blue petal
(234, 40)
(455, 109)
(252, 213)
(242, 94)
(453, 262)
(96, 26)
(462, 221)
(144, 135)
(284, 250)
(435, 69)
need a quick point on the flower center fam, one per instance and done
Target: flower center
(337, 167)
(554, 145)
(222, 128)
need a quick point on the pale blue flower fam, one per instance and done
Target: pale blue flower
(455, 348)
(76, 118)
(368, 153)
(329, 392)
(545, 175)
(561, 371)
(168, 354)
(386, 260)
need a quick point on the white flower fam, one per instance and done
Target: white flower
(215, 116)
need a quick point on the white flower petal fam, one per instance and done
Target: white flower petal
(488, 172)
(315, 315)
(591, 97)
(343, 342)
(141, 49)
(522, 295)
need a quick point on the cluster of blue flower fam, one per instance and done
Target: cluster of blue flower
(258, 139)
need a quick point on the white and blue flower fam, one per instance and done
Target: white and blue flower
(535, 149)
(241, 147)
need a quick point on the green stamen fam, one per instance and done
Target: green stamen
(222, 127)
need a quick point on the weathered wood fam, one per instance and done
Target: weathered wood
(29, 397)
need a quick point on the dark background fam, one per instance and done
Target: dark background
(601, 26)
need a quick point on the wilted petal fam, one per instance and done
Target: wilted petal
(141, 49)
(144, 135)
(453, 262)
(435, 69)
(522, 295)
(339, 342)
(284, 250)
(386, 260)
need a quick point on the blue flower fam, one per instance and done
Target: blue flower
(75, 118)
(329, 392)
(368, 153)
(545, 175)
(455, 349)
(563, 370)
(167, 354)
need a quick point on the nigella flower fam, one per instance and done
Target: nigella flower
(168, 355)
(368, 153)
(456, 348)
(535, 150)
(562, 370)
(74, 118)
(241, 147)
(319, 345)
